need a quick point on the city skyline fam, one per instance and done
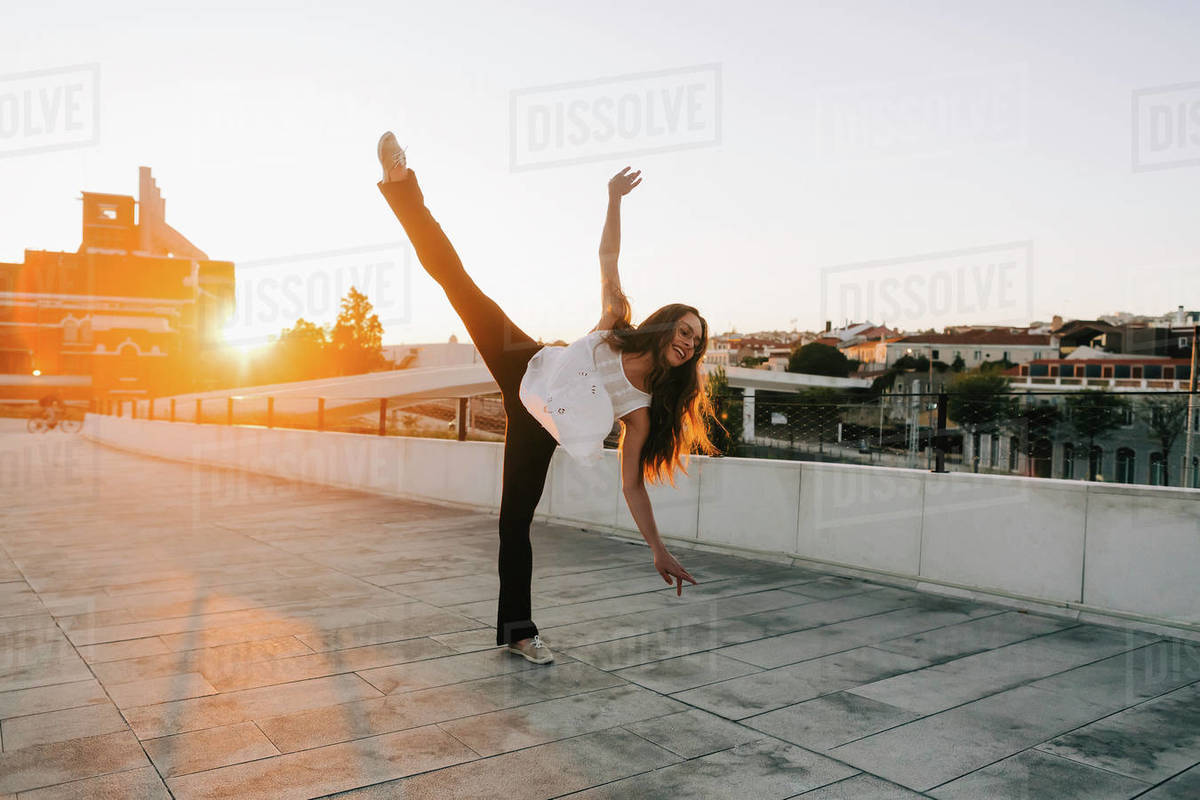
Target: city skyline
(1012, 139)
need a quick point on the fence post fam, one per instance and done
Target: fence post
(940, 435)
(320, 413)
(172, 409)
(462, 419)
(383, 416)
(270, 412)
(198, 402)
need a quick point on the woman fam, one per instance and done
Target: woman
(648, 377)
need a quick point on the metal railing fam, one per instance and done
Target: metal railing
(462, 418)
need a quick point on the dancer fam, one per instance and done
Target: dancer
(647, 376)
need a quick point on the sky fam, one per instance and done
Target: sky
(918, 164)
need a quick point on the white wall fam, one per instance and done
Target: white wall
(1072, 546)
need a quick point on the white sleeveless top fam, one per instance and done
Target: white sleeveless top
(578, 392)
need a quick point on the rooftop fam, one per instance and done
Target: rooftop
(243, 636)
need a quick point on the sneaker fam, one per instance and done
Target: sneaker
(391, 155)
(534, 650)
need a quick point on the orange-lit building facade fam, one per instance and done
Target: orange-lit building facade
(132, 313)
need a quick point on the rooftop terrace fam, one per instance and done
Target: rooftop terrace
(175, 630)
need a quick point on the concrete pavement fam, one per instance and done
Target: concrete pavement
(168, 630)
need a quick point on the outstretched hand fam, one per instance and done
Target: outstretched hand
(623, 182)
(669, 568)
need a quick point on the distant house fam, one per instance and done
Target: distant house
(974, 347)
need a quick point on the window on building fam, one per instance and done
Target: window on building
(1125, 465)
(994, 451)
(1006, 355)
(1014, 444)
(1068, 463)
(108, 212)
(935, 354)
(1127, 416)
(1196, 472)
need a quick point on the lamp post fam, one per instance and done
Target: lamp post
(1188, 469)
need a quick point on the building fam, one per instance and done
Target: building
(974, 347)
(728, 349)
(431, 354)
(132, 312)
(1168, 334)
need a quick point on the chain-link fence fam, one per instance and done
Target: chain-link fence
(1121, 437)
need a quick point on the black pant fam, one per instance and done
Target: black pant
(506, 349)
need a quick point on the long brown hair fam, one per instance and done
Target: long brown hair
(679, 405)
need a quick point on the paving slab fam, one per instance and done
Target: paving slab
(762, 769)
(860, 787)
(325, 770)
(1184, 786)
(936, 749)
(207, 749)
(829, 721)
(61, 726)
(1032, 775)
(134, 784)
(693, 733)
(737, 698)
(1151, 741)
(537, 723)
(43, 765)
(548, 770)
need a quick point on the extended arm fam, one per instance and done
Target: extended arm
(637, 429)
(612, 299)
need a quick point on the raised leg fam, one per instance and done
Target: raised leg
(505, 348)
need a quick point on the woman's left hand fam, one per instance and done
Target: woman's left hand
(670, 568)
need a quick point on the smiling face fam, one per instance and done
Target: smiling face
(686, 341)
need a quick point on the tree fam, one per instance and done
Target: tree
(819, 359)
(958, 365)
(300, 353)
(725, 431)
(1093, 413)
(1035, 422)
(357, 339)
(979, 402)
(1167, 417)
